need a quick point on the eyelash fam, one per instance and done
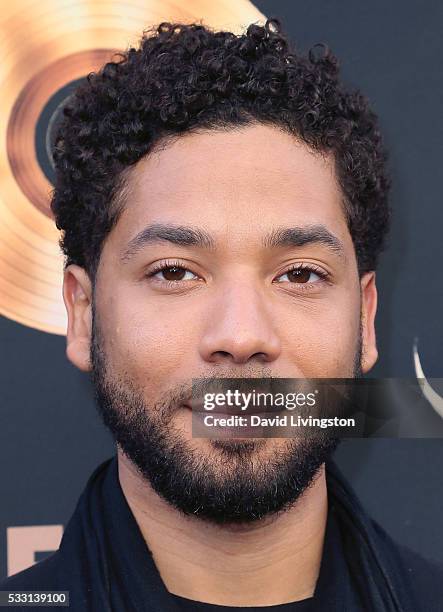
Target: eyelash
(165, 265)
(323, 276)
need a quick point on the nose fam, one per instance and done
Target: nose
(239, 328)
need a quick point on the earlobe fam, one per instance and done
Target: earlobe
(368, 312)
(77, 295)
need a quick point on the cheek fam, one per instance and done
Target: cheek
(321, 337)
(146, 341)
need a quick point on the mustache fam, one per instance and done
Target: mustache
(237, 391)
(197, 387)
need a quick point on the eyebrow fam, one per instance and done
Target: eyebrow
(299, 236)
(176, 234)
(193, 236)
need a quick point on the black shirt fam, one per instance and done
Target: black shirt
(187, 605)
(104, 563)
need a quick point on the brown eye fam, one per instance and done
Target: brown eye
(302, 276)
(173, 273)
(299, 276)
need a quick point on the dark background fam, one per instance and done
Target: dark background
(50, 436)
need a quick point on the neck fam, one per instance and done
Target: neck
(272, 561)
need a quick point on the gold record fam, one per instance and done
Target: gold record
(46, 47)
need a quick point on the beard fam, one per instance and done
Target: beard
(237, 482)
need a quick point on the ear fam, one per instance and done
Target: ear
(368, 312)
(77, 295)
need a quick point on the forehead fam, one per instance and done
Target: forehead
(234, 182)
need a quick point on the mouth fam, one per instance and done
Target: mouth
(199, 408)
(223, 411)
(222, 425)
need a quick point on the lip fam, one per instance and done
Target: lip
(221, 432)
(231, 410)
(199, 408)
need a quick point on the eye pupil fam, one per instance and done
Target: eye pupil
(299, 276)
(174, 273)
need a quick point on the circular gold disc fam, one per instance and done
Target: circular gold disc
(46, 47)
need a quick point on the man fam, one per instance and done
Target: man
(223, 202)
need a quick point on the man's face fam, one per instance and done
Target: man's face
(197, 280)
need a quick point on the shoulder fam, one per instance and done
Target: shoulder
(425, 579)
(425, 576)
(41, 576)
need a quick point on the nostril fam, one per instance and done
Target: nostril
(258, 357)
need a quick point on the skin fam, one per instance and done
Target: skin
(235, 314)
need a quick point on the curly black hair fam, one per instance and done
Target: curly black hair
(188, 77)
